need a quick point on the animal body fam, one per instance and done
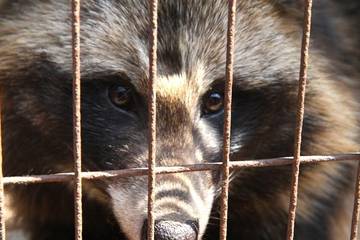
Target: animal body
(35, 78)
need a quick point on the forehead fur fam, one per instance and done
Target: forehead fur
(114, 38)
(182, 86)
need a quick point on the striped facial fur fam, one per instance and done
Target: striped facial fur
(183, 198)
(35, 76)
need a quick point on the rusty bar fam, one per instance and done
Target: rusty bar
(227, 119)
(299, 118)
(355, 216)
(2, 197)
(234, 165)
(152, 117)
(77, 117)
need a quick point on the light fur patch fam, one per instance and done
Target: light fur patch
(13, 230)
(130, 212)
(173, 86)
(186, 88)
(131, 201)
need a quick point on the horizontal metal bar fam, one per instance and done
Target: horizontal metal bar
(234, 165)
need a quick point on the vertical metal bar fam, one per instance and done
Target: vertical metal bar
(227, 118)
(152, 116)
(77, 117)
(299, 118)
(355, 216)
(2, 197)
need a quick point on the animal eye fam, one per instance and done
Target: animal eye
(213, 102)
(120, 96)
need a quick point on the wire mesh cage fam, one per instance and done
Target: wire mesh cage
(77, 175)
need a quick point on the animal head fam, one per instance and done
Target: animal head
(35, 71)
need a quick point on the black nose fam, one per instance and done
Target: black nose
(173, 230)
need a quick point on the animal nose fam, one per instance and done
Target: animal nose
(173, 230)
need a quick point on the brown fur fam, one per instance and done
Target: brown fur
(35, 73)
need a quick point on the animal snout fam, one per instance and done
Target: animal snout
(173, 230)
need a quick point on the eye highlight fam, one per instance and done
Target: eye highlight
(120, 96)
(213, 102)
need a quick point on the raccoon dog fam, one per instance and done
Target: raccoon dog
(35, 77)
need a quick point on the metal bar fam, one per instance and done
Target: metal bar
(2, 197)
(299, 118)
(227, 119)
(152, 117)
(355, 216)
(234, 165)
(77, 118)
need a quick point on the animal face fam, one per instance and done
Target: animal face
(35, 70)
